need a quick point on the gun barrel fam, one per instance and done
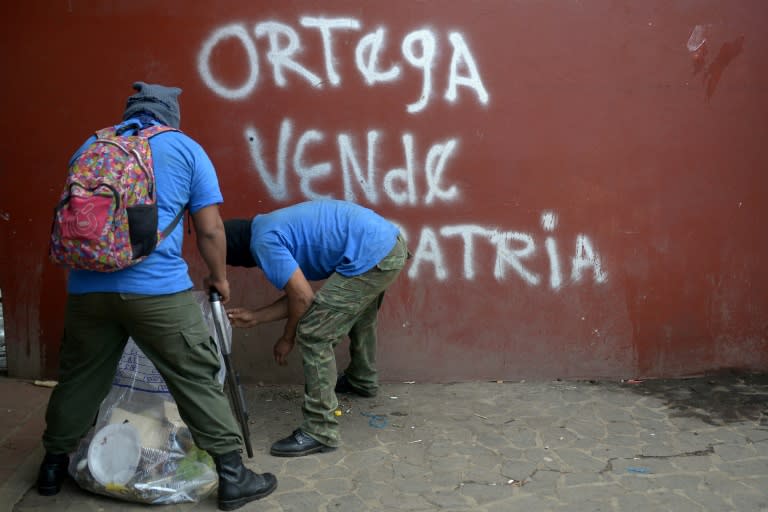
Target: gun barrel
(236, 395)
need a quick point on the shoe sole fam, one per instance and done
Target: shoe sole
(234, 504)
(309, 451)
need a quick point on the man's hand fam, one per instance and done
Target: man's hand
(242, 317)
(221, 286)
(283, 347)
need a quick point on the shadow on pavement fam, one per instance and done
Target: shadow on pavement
(716, 400)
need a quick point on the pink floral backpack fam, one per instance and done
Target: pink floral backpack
(106, 218)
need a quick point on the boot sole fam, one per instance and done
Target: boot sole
(234, 504)
(309, 451)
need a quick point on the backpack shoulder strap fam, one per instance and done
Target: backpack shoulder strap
(157, 129)
(167, 231)
(110, 132)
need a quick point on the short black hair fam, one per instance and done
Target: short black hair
(238, 232)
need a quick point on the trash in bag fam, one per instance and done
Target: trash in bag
(139, 449)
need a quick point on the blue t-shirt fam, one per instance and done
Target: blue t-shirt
(320, 237)
(184, 175)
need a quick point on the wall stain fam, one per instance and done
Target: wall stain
(713, 73)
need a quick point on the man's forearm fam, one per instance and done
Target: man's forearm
(213, 248)
(296, 307)
(211, 240)
(275, 311)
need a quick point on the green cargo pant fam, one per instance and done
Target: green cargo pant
(343, 306)
(171, 332)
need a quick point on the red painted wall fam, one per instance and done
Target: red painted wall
(581, 182)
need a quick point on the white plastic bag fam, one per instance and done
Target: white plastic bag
(139, 449)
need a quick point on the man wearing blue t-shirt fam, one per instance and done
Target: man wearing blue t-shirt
(152, 302)
(359, 254)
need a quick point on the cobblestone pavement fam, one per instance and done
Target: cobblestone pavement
(662, 445)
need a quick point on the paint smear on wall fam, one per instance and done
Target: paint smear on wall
(698, 46)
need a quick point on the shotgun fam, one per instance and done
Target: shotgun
(237, 398)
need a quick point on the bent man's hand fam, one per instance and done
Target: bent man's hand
(221, 286)
(283, 347)
(242, 317)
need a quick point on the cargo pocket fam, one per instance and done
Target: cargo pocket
(396, 258)
(142, 228)
(323, 323)
(202, 356)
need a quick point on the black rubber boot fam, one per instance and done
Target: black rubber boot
(239, 485)
(52, 473)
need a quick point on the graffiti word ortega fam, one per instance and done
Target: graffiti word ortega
(415, 183)
(419, 49)
(511, 251)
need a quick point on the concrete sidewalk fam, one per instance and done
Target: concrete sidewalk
(664, 445)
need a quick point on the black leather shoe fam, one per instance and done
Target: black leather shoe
(239, 485)
(53, 471)
(298, 444)
(344, 387)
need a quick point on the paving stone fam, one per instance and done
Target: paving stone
(579, 493)
(518, 470)
(727, 435)
(530, 503)
(484, 476)
(414, 485)
(732, 452)
(670, 500)
(371, 491)
(444, 478)
(750, 500)
(609, 414)
(708, 500)
(681, 482)
(543, 480)
(586, 505)
(757, 435)
(476, 452)
(405, 502)
(648, 425)
(302, 466)
(450, 462)
(639, 501)
(616, 428)
(759, 483)
(581, 478)
(299, 500)
(638, 483)
(724, 484)
(579, 462)
(587, 429)
(693, 464)
(607, 452)
(483, 493)
(290, 483)
(346, 503)
(332, 486)
(446, 499)
(755, 467)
